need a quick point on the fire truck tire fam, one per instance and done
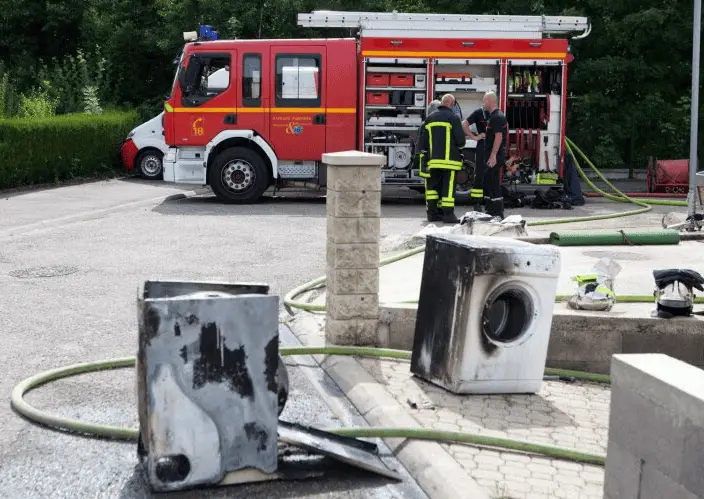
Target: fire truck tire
(150, 164)
(238, 175)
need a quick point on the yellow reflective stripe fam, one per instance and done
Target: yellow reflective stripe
(447, 142)
(580, 278)
(444, 165)
(168, 108)
(251, 110)
(451, 188)
(476, 193)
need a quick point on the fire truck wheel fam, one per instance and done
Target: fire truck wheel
(150, 164)
(238, 175)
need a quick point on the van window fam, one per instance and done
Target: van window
(207, 76)
(252, 80)
(298, 81)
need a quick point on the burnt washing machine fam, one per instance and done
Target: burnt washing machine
(485, 313)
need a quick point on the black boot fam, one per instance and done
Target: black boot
(495, 207)
(448, 216)
(434, 214)
(478, 207)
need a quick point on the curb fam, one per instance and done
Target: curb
(12, 232)
(438, 474)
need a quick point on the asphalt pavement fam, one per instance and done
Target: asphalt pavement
(71, 261)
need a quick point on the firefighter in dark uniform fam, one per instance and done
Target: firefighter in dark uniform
(495, 153)
(441, 142)
(478, 119)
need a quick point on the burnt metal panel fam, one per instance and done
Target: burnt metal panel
(207, 382)
(447, 279)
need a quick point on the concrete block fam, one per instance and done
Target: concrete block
(692, 473)
(341, 307)
(356, 332)
(622, 474)
(399, 324)
(354, 158)
(352, 281)
(354, 178)
(656, 485)
(666, 381)
(353, 230)
(352, 256)
(652, 432)
(677, 342)
(596, 344)
(353, 203)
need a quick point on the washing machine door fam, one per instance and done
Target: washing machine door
(508, 313)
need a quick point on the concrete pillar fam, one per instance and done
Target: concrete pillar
(656, 429)
(353, 212)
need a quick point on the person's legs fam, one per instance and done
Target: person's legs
(476, 195)
(447, 197)
(493, 197)
(432, 195)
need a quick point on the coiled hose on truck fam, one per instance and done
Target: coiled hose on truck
(120, 433)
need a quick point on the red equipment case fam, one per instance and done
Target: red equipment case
(378, 98)
(402, 80)
(377, 80)
(669, 176)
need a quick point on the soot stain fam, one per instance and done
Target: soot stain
(256, 432)
(218, 364)
(177, 329)
(152, 322)
(184, 355)
(271, 364)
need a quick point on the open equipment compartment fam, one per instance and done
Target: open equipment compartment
(395, 99)
(535, 114)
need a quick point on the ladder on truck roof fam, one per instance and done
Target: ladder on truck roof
(394, 24)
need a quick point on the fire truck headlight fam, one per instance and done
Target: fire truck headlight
(131, 134)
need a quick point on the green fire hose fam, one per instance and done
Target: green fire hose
(114, 432)
(615, 238)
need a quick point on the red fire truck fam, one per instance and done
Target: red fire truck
(286, 102)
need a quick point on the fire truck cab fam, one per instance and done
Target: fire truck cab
(284, 103)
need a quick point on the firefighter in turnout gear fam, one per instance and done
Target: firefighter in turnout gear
(495, 154)
(478, 119)
(441, 142)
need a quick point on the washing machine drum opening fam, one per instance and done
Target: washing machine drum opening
(507, 315)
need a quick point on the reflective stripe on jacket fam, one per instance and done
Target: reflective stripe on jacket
(441, 142)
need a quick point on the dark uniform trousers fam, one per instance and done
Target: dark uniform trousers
(440, 189)
(493, 196)
(476, 194)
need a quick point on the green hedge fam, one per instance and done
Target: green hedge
(45, 150)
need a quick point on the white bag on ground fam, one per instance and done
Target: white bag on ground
(595, 290)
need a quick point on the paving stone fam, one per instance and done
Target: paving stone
(593, 476)
(541, 468)
(567, 415)
(487, 474)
